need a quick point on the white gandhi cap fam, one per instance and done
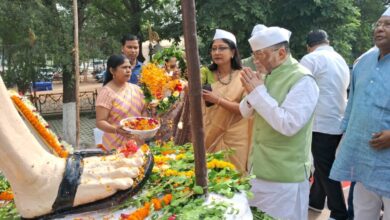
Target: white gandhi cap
(222, 34)
(268, 37)
(387, 12)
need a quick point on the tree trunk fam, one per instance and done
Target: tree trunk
(192, 54)
(76, 69)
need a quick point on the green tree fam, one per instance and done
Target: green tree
(370, 11)
(132, 16)
(22, 50)
(338, 18)
(237, 17)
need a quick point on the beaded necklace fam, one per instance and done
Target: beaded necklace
(222, 82)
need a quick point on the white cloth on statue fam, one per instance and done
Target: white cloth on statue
(238, 202)
(368, 204)
(286, 201)
(332, 76)
(289, 117)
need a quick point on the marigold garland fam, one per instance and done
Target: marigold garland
(6, 196)
(47, 135)
(220, 164)
(144, 211)
(155, 79)
(159, 87)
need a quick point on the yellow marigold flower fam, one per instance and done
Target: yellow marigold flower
(171, 172)
(220, 164)
(189, 173)
(180, 156)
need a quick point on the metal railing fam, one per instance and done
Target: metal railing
(50, 104)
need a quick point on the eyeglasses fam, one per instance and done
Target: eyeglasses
(219, 49)
(259, 54)
(384, 24)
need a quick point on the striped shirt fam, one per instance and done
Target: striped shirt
(125, 103)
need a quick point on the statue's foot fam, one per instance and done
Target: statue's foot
(87, 184)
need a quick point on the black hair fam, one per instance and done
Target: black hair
(113, 62)
(236, 60)
(128, 37)
(316, 37)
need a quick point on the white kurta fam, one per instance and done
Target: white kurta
(283, 200)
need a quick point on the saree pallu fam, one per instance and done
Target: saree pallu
(225, 130)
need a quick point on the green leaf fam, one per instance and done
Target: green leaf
(198, 190)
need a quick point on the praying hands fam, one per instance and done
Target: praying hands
(250, 80)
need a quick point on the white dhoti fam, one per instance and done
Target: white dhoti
(287, 201)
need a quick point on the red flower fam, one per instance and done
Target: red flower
(130, 148)
(179, 87)
(172, 217)
(124, 216)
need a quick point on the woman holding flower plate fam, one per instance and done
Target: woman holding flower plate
(118, 100)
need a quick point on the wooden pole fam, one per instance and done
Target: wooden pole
(76, 70)
(195, 92)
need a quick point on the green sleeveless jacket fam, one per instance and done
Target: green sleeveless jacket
(276, 157)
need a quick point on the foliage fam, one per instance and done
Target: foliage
(161, 56)
(370, 11)
(159, 88)
(301, 16)
(173, 173)
(42, 35)
(7, 209)
(4, 185)
(238, 17)
(259, 215)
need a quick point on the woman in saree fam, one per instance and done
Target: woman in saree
(117, 100)
(225, 128)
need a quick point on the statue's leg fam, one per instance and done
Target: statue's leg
(35, 174)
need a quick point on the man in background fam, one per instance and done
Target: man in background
(130, 48)
(331, 73)
(364, 153)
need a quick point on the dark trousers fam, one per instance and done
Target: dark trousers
(351, 213)
(324, 149)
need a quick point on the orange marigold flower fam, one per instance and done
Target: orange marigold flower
(6, 196)
(156, 204)
(167, 199)
(33, 119)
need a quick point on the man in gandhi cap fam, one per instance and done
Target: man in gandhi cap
(282, 104)
(248, 62)
(364, 153)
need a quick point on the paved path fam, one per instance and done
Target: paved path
(87, 121)
(87, 124)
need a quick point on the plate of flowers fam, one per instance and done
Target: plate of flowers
(145, 127)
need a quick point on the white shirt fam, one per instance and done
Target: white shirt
(293, 113)
(332, 76)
